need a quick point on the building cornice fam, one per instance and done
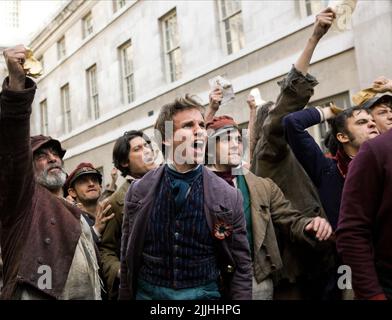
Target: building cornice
(63, 14)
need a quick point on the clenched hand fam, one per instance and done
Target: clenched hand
(14, 58)
(323, 22)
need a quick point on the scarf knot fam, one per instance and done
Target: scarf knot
(181, 183)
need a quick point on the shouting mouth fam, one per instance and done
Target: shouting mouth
(198, 145)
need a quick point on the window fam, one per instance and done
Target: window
(66, 108)
(314, 6)
(118, 4)
(127, 72)
(87, 25)
(171, 43)
(92, 88)
(231, 24)
(61, 48)
(14, 9)
(44, 117)
(341, 100)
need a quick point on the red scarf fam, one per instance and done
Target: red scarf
(227, 176)
(343, 160)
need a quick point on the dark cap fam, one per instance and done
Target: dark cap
(41, 141)
(376, 100)
(82, 169)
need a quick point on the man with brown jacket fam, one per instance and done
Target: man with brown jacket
(265, 207)
(133, 156)
(274, 159)
(47, 247)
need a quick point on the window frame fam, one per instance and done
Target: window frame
(92, 92)
(312, 7)
(87, 29)
(43, 107)
(61, 49)
(173, 73)
(127, 78)
(66, 108)
(118, 5)
(225, 19)
(15, 14)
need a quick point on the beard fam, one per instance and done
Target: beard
(52, 181)
(89, 202)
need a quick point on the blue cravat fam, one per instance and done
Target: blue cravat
(181, 183)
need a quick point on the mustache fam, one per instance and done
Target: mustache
(53, 166)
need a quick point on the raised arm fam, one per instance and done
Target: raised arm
(16, 169)
(304, 147)
(323, 22)
(215, 97)
(296, 90)
(382, 85)
(251, 126)
(14, 58)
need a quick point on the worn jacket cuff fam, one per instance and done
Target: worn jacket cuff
(295, 78)
(29, 86)
(17, 104)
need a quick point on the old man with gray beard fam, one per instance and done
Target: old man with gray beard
(48, 171)
(47, 246)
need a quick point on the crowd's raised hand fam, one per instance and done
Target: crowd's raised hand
(323, 22)
(382, 85)
(14, 58)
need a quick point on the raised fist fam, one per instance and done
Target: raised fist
(14, 58)
(323, 22)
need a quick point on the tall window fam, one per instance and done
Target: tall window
(10, 13)
(171, 45)
(118, 4)
(314, 6)
(231, 21)
(14, 9)
(128, 88)
(93, 91)
(66, 108)
(87, 25)
(61, 48)
(44, 117)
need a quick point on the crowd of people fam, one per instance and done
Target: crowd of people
(203, 224)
